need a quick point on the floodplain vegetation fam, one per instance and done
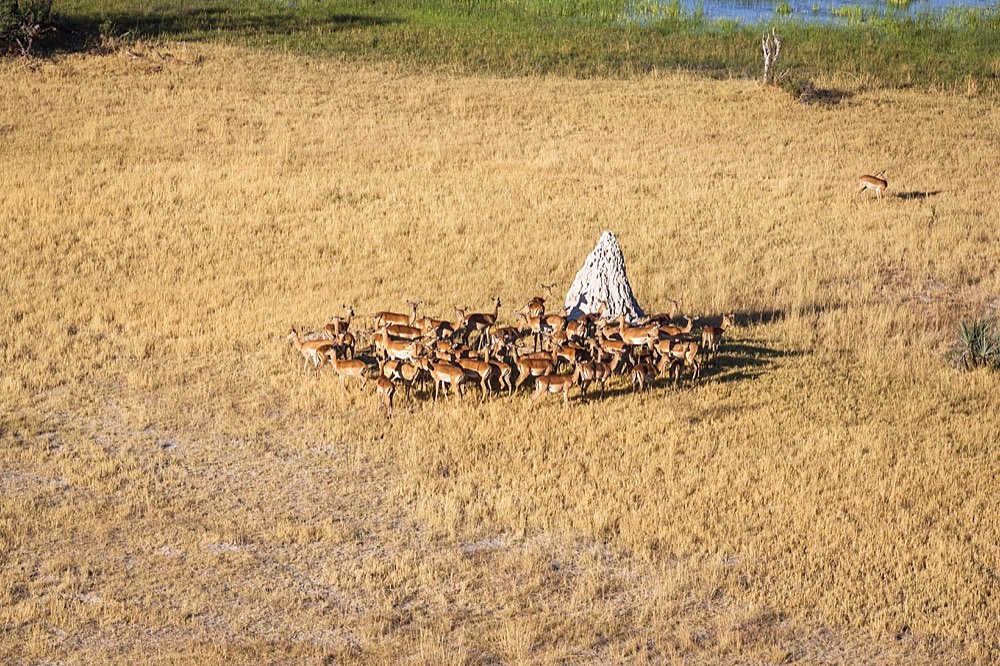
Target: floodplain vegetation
(175, 488)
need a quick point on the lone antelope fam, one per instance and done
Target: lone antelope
(876, 182)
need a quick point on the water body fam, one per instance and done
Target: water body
(750, 12)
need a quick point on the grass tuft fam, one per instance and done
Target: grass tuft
(977, 344)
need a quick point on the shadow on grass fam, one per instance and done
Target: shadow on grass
(918, 196)
(765, 317)
(77, 33)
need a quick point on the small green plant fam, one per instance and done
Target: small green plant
(978, 344)
(783, 8)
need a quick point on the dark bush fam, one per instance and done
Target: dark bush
(23, 24)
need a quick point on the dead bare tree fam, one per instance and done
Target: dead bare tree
(772, 52)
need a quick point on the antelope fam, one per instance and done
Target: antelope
(555, 384)
(876, 182)
(577, 330)
(681, 355)
(503, 372)
(616, 349)
(380, 319)
(536, 306)
(404, 331)
(643, 375)
(400, 350)
(385, 389)
(676, 332)
(591, 371)
(638, 335)
(311, 350)
(711, 336)
(447, 373)
(346, 341)
(504, 337)
(533, 323)
(403, 371)
(481, 322)
(481, 370)
(572, 354)
(591, 318)
(338, 326)
(429, 324)
(532, 367)
(556, 323)
(346, 368)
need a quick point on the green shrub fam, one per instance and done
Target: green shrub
(978, 344)
(22, 23)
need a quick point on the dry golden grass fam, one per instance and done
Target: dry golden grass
(174, 488)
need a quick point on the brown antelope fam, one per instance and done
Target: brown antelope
(444, 373)
(535, 324)
(571, 353)
(400, 350)
(577, 330)
(311, 350)
(481, 370)
(536, 306)
(681, 355)
(555, 384)
(430, 325)
(711, 336)
(380, 319)
(503, 373)
(385, 389)
(638, 335)
(337, 326)
(616, 350)
(532, 367)
(592, 371)
(347, 342)
(404, 332)
(643, 375)
(504, 336)
(481, 322)
(876, 182)
(348, 368)
(556, 323)
(676, 332)
(405, 372)
(667, 318)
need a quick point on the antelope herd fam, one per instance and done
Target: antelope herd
(474, 349)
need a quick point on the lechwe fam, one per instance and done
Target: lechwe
(876, 182)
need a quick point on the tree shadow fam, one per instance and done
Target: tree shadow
(765, 317)
(917, 195)
(824, 96)
(78, 33)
